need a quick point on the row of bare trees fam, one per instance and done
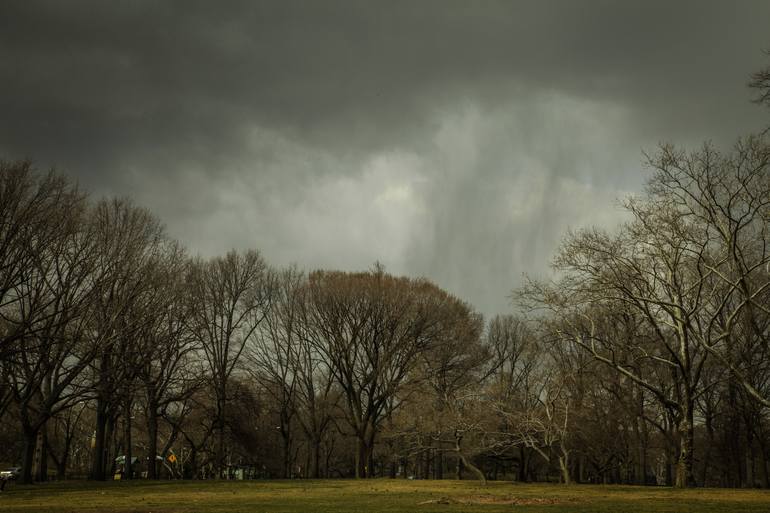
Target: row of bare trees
(90, 311)
(104, 315)
(645, 361)
(680, 287)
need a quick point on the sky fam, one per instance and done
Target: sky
(458, 141)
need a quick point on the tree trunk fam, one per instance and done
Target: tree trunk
(128, 453)
(193, 462)
(60, 461)
(61, 465)
(370, 470)
(365, 451)
(684, 467)
(30, 441)
(644, 464)
(315, 459)
(111, 444)
(473, 468)
(763, 461)
(286, 449)
(152, 441)
(749, 460)
(522, 464)
(707, 455)
(42, 454)
(564, 467)
(219, 456)
(362, 457)
(100, 437)
(640, 428)
(669, 467)
(99, 462)
(462, 460)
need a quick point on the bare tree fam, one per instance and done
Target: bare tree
(29, 204)
(650, 269)
(129, 241)
(317, 399)
(515, 355)
(371, 329)
(454, 368)
(168, 370)
(52, 312)
(230, 296)
(687, 279)
(722, 204)
(514, 349)
(275, 352)
(546, 426)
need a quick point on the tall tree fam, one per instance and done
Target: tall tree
(649, 270)
(129, 241)
(50, 316)
(230, 296)
(371, 328)
(29, 205)
(168, 370)
(275, 352)
(722, 206)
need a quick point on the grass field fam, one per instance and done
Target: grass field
(377, 495)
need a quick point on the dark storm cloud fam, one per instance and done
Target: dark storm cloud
(452, 139)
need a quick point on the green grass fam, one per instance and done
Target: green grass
(374, 495)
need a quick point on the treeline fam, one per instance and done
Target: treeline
(117, 344)
(646, 361)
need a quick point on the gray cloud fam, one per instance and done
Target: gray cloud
(456, 140)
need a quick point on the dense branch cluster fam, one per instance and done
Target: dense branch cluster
(675, 300)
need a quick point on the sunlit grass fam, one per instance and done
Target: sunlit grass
(369, 495)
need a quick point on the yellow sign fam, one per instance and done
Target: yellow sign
(172, 458)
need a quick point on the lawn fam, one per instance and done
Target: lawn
(370, 495)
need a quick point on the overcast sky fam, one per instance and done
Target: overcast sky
(453, 140)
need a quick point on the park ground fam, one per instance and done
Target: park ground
(374, 495)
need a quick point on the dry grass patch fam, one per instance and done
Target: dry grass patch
(497, 500)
